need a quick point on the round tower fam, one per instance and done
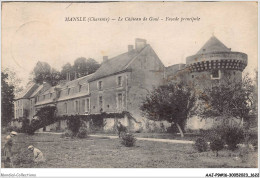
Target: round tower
(214, 63)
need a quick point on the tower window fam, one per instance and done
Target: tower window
(215, 74)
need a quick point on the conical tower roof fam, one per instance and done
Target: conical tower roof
(213, 45)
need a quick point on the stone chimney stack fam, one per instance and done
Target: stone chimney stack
(130, 48)
(140, 44)
(105, 58)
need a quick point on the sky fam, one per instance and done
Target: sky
(35, 31)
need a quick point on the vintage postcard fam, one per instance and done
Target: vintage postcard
(130, 85)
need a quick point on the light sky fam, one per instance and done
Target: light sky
(34, 31)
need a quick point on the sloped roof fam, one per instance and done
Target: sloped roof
(116, 64)
(36, 91)
(69, 84)
(213, 45)
(28, 91)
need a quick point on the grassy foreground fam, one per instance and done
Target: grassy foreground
(109, 153)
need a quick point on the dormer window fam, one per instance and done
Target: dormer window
(50, 95)
(215, 74)
(100, 85)
(80, 88)
(68, 91)
(119, 81)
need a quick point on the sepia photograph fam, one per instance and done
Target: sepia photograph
(129, 85)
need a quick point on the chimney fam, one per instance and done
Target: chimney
(140, 44)
(130, 48)
(105, 58)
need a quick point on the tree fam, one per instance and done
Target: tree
(67, 69)
(172, 103)
(7, 92)
(43, 72)
(92, 65)
(230, 99)
(14, 81)
(83, 66)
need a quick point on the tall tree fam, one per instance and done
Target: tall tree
(80, 67)
(43, 72)
(7, 93)
(230, 99)
(67, 69)
(83, 66)
(172, 103)
(92, 65)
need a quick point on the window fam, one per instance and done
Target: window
(44, 97)
(119, 101)
(76, 106)
(119, 81)
(80, 88)
(100, 85)
(66, 107)
(87, 106)
(68, 91)
(50, 95)
(31, 102)
(215, 74)
(100, 102)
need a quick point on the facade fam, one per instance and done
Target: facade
(122, 82)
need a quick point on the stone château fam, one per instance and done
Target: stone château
(122, 82)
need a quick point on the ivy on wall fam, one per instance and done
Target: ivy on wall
(47, 116)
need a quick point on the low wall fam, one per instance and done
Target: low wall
(196, 123)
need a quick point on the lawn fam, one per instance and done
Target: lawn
(109, 153)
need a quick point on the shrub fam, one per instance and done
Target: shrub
(23, 158)
(216, 145)
(74, 125)
(25, 126)
(172, 129)
(201, 145)
(68, 133)
(82, 132)
(233, 136)
(128, 140)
